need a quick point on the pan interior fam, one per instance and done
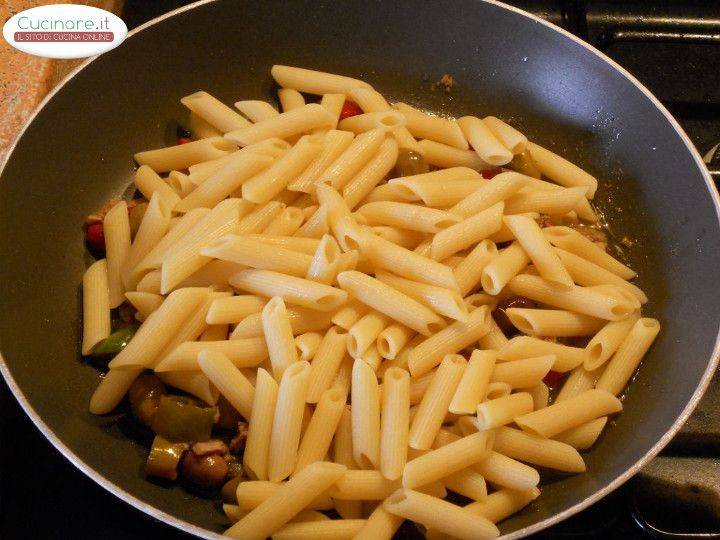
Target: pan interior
(78, 152)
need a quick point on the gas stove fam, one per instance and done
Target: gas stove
(673, 47)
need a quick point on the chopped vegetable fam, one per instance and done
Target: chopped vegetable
(115, 342)
(164, 458)
(525, 164)
(180, 418)
(95, 236)
(144, 396)
(409, 163)
(184, 140)
(207, 471)
(349, 108)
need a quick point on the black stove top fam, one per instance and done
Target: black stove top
(673, 47)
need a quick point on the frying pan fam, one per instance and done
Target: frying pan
(76, 153)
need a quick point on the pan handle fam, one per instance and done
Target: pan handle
(644, 35)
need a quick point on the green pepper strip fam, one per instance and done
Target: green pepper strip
(115, 342)
(164, 458)
(179, 418)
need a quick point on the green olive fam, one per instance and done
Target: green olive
(144, 396)
(409, 163)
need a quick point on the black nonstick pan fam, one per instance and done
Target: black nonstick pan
(76, 153)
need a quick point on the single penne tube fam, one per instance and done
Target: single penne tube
(214, 274)
(448, 459)
(96, 306)
(372, 357)
(386, 120)
(510, 137)
(501, 411)
(469, 271)
(540, 394)
(342, 443)
(314, 82)
(489, 193)
(425, 126)
(286, 502)
(349, 314)
(251, 494)
(390, 192)
(153, 227)
(452, 339)
(561, 170)
(496, 390)
(116, 228)
(628, 356)
(360, 151)
(506, 472)
(112, 389)
(319, 433)
(365, 409)
(588, 274)
(180, 183)
(301, 320)
(371, 174)
(503, 503)
(184, 259)
(214, 112)
(569, 413)
(334, 104)
(520, 347)
(439, 189)
(293, 243)
(505, 234)
(553, 322)
(381, 525)
(439, 515)
(484, 142)
(364, 485)
(444, 156)
(316, 225)
(403, 262)
(201, 128)
(604, 344)
(307, 345)
(325, 263)
(153, 259)
(233, 309)
(181, 156)
(327, 529)
(467, 483)
(242, 353)
(287, 421)
(408, 216)
(536, 450)
(583, 436)
(577, 382)
(392, 340)
(228, 379)
(144, 302)
(256, 254)
(269, 183)
(290, 99)
(577, 244)
(150, 282)
(474, 383)
(536, 246)
(435, 403)
(256, 110)
(524, 373)
(607, 304)
(445, 302)
(402, 237)
(194, 383)
(334, 143)
(390, 302)
(237, 170)
(394, 427)
(255, 457)
(466, 233)
(288, 221)
(157, 331)
(504, 267)
(278, 336)
(362, 334)
(283, 126)
(419, 385)
(293, 290)
(552, 202)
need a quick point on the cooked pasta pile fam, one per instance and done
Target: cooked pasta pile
(350, 313)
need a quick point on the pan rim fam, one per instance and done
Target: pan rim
(201, 532)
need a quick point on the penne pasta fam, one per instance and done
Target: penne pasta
(585, 435)
(371, 174)
(466, 233)
(474, 383)
(319, 433)
(282, 126)
(228, 379)
(425, 126)
(445, 156)
(260, 423)
(484, 141)
(325, 263)
(256, 254)
(241, 353)
(96, 306)
(392, 340)
(278, 336)
(521, 347)
(182, 156)
(503, 410)
(529, 448)
(116, 229)
(553, 322)
(255, 110)
(214, 112)
(365, 410)
(508, 136)
(307, 345)
(394, 430)
(327, 529)
(561, 170)
(314, 82)
(408, 216)
(604, 344)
